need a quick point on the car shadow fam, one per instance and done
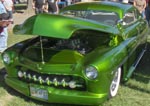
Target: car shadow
(142, 74)
(27, 99)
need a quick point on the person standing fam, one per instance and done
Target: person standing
(69, 2)
(147, 11)
(53, 6)
(140, 5)
(9, 8)
(38, 6)
(4, 22)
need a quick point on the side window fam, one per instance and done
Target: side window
(129, 18)
(137, 14)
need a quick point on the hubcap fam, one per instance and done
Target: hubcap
(115, 83)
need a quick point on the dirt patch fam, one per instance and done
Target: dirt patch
(20, 17)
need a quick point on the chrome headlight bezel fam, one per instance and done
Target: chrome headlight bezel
(91, 72)
(6, 58)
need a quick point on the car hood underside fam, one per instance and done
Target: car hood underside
(53, 56)
(59, 26)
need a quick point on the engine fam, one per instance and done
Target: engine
(73, 44)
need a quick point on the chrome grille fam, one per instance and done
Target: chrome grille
(59, 81)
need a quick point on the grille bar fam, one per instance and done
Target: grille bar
(61, 81)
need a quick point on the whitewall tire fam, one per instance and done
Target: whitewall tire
(115, 83)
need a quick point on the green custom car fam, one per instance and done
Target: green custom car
(78, 56)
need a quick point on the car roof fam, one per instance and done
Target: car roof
(117, 7)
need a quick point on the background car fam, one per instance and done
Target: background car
(80, 55)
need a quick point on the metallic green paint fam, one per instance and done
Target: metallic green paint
(59, 26)
(58, 95)
(108, 48)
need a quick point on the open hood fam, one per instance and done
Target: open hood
(59, 26)
(53, 56)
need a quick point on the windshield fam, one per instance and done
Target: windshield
(106, 17)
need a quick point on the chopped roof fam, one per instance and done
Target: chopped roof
(117, 7)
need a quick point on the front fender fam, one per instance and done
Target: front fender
(107, 62)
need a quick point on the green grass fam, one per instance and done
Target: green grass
(136, 92)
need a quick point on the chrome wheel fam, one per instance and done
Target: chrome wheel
(115, 83)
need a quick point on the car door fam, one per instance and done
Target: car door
(130, 25)
(134, 24)
(142, 27)
(134, 28)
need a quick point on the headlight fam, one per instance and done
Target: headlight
(91, 72)
(6, 58)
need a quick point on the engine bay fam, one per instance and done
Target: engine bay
(84, 43)
(80, 45)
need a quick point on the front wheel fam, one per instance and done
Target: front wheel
(115, 83)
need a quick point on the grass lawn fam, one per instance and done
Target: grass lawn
(136, 92)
